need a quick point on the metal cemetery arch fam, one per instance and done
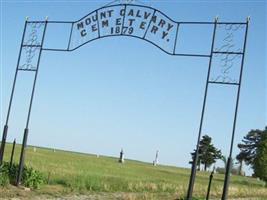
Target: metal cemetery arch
(155, 27)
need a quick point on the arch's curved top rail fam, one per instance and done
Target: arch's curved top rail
(133, 20)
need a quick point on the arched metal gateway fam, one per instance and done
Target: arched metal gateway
(148, 24)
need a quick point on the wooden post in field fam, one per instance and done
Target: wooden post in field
(121, 160)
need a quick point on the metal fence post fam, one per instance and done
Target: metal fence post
(210, 181)
(12, 154)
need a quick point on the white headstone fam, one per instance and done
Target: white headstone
(156, 161)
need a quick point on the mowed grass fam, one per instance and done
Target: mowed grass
(84, 173)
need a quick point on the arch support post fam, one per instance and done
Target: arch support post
(35, 26)
(22, 156)
(3, 143)
(12, 154)
(5, 131)
(229, 162)
(195, 158)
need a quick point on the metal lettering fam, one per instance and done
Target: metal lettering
(94, 17)
(88, 21)
(146, 15)
(169, 27)
(103, 15)
(83, 33)
(142, 25)
(164, 34)
(110, 13)
(131, 22)
(154, 19)
(138, 14)
(162, 23)
(104, 23)
(80, 25)
(124, 19)
(131, 13)
(122, 12)
(118, 21)
(94, 28)
(154, 29)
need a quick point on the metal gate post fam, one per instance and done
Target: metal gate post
(228, 167)
(12, 154)
(4, 136)
(26, 130)
(194, 164)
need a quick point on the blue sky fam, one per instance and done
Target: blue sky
(122, 92)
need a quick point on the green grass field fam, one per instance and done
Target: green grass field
(70, 172)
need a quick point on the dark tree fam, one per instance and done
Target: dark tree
(249, 145)
(208, 154)
(240, 158)
(198, 161)
(260, 161)
(253, 151)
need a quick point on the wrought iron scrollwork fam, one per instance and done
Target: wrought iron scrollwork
(32, 45)
(228, 54)
(229, 40)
